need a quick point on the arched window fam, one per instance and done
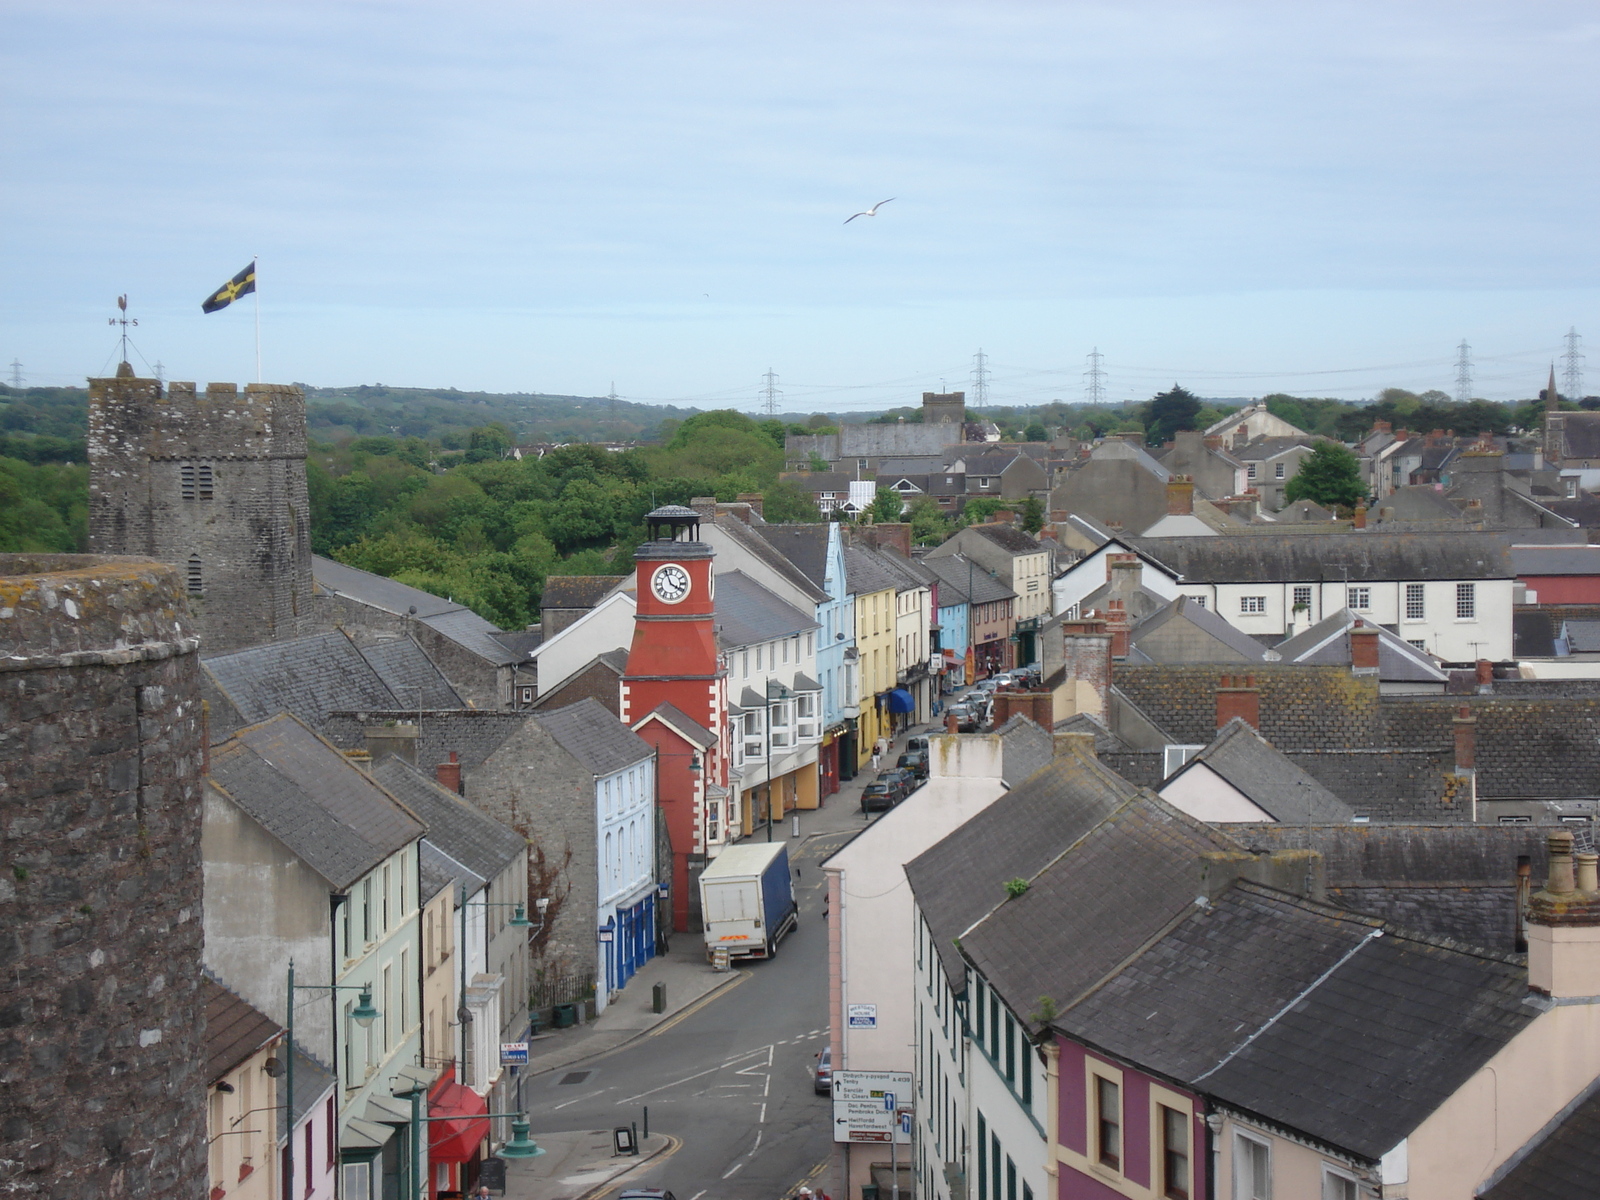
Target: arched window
(611, 882)
(196, 576)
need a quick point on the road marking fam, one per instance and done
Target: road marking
(580, 1099)
(708, 1071)
(733, 1169)
(762, 1120)
(698, 1005)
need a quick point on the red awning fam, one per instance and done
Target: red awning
(456, 1140)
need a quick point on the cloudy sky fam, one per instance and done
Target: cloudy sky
(1320, 199)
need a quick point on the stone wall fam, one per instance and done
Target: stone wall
(101, 1019)
(215, 484)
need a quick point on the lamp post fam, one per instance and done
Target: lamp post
(519, 920)
(520, 1145)
(782, 693)
(364, 1014)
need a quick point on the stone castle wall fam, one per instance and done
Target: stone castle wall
(214, 483)
(101, 1022)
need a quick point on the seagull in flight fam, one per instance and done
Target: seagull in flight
(871, 212)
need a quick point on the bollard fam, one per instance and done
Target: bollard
(797, 824)
(634, 1126)
(658, 998)
(647, 1120)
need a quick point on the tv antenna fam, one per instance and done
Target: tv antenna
(124, 320)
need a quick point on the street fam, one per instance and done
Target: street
(730, 1078)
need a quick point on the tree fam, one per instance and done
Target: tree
(1036, 432)
(1168, 412)
(1330, 475)
(929, 524)
(1032, 514)
(887, 505)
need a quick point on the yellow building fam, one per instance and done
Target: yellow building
(872, 589)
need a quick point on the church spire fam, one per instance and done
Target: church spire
(1552, 400)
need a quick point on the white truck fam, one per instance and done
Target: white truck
(747, 900)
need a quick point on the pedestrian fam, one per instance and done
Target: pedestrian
(877, 755)
(482, 1193)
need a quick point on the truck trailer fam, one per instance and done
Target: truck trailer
(747, 900)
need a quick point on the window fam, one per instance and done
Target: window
(1011, 1049)
(1027, 1074)
(1108, 1122)
(1466, 602)
(1174, 1153)
(385, 909)
(186, 481)
(1358, 598)
(203, 482)
(1302, 598)
(1419, 643)
(1252, 1169)
(366, 910)
(1250, 471)
(196, 576)
(357, 1181)
(1198, 601)
(1175, 755)
(758, 658)
(1277, 471)
(1252, 604)
(983, 1158)
(1416, 605)
(1336, 1185)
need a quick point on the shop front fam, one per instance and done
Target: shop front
(458, 1123)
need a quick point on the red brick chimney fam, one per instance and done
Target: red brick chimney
(1180, 496)
(1237, 696)
(1213, 443)
(1465, 727)
(951, 723)
(1363, 648)
(1086, 655)
(1361, 514)
(1117, 626)
(449, 774)
(1485, 673)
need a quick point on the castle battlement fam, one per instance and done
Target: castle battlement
(264, 420)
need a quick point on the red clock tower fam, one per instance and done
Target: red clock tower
(674, 661)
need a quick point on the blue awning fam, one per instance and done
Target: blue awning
(900, 701)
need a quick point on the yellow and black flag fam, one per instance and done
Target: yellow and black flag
(241, 284)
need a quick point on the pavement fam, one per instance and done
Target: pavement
(581, 1164)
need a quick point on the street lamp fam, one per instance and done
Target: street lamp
(520, 1145)
(363, 1014)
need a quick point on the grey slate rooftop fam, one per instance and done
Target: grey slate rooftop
(472, 838)
(754, 540)
(587, 731)
(235, 1029)
(577, 591)
(451, 620)
(1185, 609)
(1360, 557)
(1009, 538)
(805, 546)
(691, 730)
(1328, 641)
(312, 799)
(1562, 1162)
(747, 613)
(1268, 779)
(963, 581)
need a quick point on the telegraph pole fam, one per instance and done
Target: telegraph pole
(1096, 378)
(980, 378)
(770, 393)
(1463, 373)
(1572, 371)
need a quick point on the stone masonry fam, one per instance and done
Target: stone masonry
(101, 1020)
(215, 484)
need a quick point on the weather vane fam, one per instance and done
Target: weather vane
(124, 320)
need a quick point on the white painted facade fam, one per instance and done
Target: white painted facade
(607, 626)
(626, 839)
(1207, 796)
(1090, 573)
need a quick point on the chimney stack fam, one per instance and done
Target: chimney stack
(1237, 696)
(753, 499)
(1564, 925)
(951, 723)
(706, 507)
(1363, 648)
(1180, 496)
(449, 774)
(1485, 675)
(1086, 661)
(1361, 514)
(1465, 727)
(1118, 627)
(1080, 744)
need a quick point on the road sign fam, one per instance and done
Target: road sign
(864, 1105)
(862, 1016)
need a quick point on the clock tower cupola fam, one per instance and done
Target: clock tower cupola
(673, 658)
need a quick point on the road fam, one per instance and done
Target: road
(730, 1079)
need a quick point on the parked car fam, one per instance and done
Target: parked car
(822, 1080)
(902, 780)
(917, 743)
(968, 717)
(915, 761)
(878, 796)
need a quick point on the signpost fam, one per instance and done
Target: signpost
(862, 1016)
(867, 1106)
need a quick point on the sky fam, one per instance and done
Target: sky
(564, 198)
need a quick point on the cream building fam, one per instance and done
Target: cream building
(873, 589)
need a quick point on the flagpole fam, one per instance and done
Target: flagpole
(254, 263)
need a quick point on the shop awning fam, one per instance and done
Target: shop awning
(456, 1139)
(900, 701)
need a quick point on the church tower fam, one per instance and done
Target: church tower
(215, 484)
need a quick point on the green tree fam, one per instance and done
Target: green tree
(981, 508)
(783, 502)
(929, 524)
(887, 505)
(1167, 413)
(1330, 475)
(1032, 514)
(1036, 432)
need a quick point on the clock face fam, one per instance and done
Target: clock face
(670, 583)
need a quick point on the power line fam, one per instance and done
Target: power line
(1572, 372)
(980, 379)
(16, 373)
(612, 396)
(770, 393)
(1463, 373)
(1096, 377)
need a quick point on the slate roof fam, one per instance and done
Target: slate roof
(1202, 618)
(1009, 538)
(960, 878)
(804, 546)
(577, 591)
(1328, 641)
(1262, 449)
(1367, 557)
(587, 731)
(1094, 903)
(521, 642)
(957, 573)
(471, 837)
(438, 871)
(1560, 1162)
(454, 621)
(312, 1082)
(1120, 448)
(1091, 528)
(1556, 560)
(310, 677)
(865, 573)
(312, 799)
(989, 463)
(1269, 780)
(747, 613)
(692, 731)
(235, 1029)
(1582, 435)
(1342, 1028)
(410, 675)
(753, 539)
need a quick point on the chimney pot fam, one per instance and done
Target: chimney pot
(1465, 728)
(449, 774)
(1587, 875)
(951, 723)
(1180, 496)
(1485, 675)
(1361, 515)
(1561, 880)
(1363, 648)
(1237, 696)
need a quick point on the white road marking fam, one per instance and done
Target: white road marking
(708, 1071)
